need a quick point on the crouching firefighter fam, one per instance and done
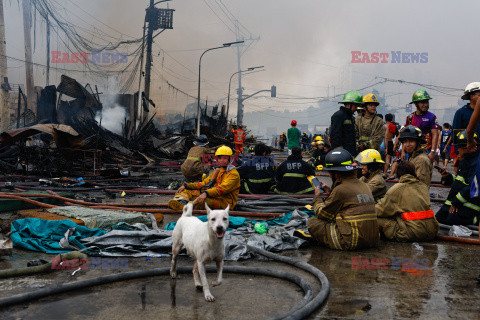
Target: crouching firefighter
(346, 220)
(372, 168)
(293, 175)
(460, 208)
(404, 214)
(218, 190)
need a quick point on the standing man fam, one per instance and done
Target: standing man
(283, 140)
(390, 132)
(304, 141)
(239, 139)
(412, 139)
(293, 136)
(426, 122)
(342, 128)
(369, 127)
(463, 115)
(444, 147)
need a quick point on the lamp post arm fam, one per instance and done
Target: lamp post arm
(247, 97)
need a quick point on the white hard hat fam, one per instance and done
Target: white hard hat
(471, 87)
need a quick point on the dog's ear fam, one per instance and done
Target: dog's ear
(185, 207)
(208, 209)
(228, 209)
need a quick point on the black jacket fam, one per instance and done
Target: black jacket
(257, 175)
(342, 131)
(318, 157)
(292, 176)
(459, 195)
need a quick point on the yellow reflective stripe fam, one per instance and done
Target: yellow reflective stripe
(346, 163)
(260, 180)
(461, 179)
(246, 188)
(193, 158)
(448, 203)
(461, 198)
(354, 235)
(367, 216)
(333, 234)
(295, 175)
(327, 214)
(471, 206)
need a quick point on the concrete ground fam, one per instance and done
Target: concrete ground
(435, 280)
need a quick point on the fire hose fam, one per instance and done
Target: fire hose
(307, 305)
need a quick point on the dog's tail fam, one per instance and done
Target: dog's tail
(188, 209)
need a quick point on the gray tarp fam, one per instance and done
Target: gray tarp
(145, 242)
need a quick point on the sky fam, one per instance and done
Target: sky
(305, 45)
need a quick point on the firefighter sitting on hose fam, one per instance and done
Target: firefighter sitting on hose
(460, 208)
(218, 190)
(258, 174)
(372, 167)
(292, 175)
(346, 220)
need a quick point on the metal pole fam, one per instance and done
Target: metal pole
(148, 64)
(4, 95)
(47, 82)
(139, 105)
(228, 99)
(27, 26)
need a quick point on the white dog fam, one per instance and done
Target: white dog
(204, 243)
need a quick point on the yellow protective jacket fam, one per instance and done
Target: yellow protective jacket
(347, 219)
(370, 131)
(423, 166)
(192, 167)
(404, 214)
(227, 186)
(377, 184)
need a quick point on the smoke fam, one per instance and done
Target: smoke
(112, 115)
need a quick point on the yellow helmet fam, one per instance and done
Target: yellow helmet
(369, 156)
(319, 142)
(284, 133)
(319, 167)
(224, 151)
(318, 138)
(313, 144)
(370, 98)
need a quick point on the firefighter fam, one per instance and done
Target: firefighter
(342, 129)
(192, 168)
(258, 174)
(369, 127)
(372, 167)
(304, 140)
(293, 136)
(346, 220)
(218, 190)
(292, 175)
(412, 139)
(238, 140)
(460, 208)
(404, 214)
(283, 139)
(319, 153)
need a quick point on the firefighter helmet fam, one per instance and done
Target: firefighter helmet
(420, 95)
(460, 139)
(224, 151)
(352, 97)
(471, 87)
(201, 140)
(411, 132)
(369, 156)
(339, 160)
(294, 122)
(318, 138)
(370, 98)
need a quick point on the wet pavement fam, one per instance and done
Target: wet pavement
(435, 280)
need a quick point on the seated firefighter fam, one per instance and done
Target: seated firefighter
(346, 220)
(460, 208)
(412, 139)
(319, 152)
(404, 213)
(192, 168)
(372, 168)
(292, 175)
(258, 174)
(218, 190)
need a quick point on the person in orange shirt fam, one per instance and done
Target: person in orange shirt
(239, 139)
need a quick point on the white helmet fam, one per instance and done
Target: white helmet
(471, 87)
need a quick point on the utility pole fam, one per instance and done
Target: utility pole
(148, 62)
(4, 96)
(27, 26)
(47, 82)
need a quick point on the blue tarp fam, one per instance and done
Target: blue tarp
(44, 235)
(235, 222)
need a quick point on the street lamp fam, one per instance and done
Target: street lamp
(225, 45)
(230, 82)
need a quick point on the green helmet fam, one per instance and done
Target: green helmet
(352, 97)
(420, 95)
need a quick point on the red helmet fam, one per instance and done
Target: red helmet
(294, 122)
